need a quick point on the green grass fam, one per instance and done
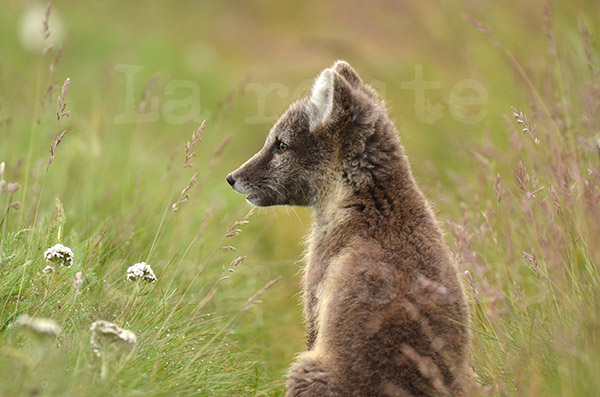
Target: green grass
(535, 318)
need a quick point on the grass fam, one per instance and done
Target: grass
(518, 192)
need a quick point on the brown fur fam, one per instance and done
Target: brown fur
(385, 311)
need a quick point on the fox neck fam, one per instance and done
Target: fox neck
(370, 193)
(369, 205)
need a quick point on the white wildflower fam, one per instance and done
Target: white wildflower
(48, 269)
(141, 271)
(105, 332)
(59, 254)
(44, 326)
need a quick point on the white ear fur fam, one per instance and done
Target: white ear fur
(321, 99)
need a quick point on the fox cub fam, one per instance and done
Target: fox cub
(385, 311)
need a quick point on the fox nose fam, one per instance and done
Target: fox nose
(230, 179)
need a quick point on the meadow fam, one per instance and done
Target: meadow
(120, 120)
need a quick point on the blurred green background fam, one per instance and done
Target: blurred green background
(238, 65)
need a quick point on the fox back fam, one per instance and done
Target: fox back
(384, 308)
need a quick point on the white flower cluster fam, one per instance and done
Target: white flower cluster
(107, 332)
(140, 271)
(59, 254)
(44, 326)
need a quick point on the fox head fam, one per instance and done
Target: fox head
(321, 141)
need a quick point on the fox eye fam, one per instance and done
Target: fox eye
(282, 147)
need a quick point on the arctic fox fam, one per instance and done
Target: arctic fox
(385, 311)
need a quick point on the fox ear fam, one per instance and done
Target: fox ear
(345, 70)
(330, 96)
(321, 98)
